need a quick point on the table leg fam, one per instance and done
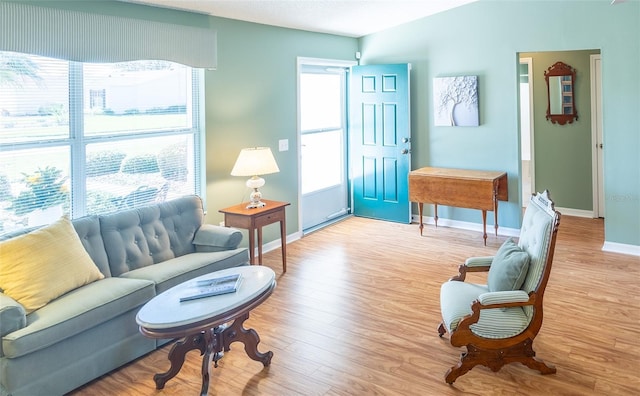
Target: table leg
(421, 226)
(283, 239)
(177, 354)
(211, 347)
(252, 244)
(495, 215)
(259, 245)
(484, 226)
(436, 214)
(250, 339)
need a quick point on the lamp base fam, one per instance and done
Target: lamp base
(258, 204)
(255, 199)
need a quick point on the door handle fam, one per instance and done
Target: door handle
(406, 140)
(404, 151)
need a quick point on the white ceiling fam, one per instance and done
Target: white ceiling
(352, 18)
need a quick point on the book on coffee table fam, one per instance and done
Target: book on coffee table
(212, 287)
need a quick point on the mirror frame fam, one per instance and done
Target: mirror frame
(560, 69)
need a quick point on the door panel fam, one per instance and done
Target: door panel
(380, 136)
(390, 180)
(389, 117)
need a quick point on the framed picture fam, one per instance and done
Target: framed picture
(455, 101)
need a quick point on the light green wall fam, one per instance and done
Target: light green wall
(484, 39)
(563, 162)
(251, 100)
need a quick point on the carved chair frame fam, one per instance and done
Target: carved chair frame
(495, 353)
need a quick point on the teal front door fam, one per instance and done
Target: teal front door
(380, 141)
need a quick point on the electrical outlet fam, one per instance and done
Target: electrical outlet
(222, 224)
(283, 144)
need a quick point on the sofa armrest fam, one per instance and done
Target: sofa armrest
(12, 315)
(213, 238)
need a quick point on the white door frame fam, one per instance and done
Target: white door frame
(532, 167)
(597, 138)
(300, 61)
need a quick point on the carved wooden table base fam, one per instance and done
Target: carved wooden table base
(212, 343)
(203, 324)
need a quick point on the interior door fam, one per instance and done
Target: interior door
(597, 137)
(380, 141)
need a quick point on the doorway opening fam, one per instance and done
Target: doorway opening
(526, 129)
(322, 135)
(564, 158)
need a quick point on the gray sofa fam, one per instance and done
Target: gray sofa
(92, 330)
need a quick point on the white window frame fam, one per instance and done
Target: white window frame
(77, 142)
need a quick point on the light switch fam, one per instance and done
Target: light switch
(283, 144)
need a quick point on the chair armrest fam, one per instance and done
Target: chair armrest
(213, 238)
(503, 297)
(473, 264)
(492, 300)
(12, 315)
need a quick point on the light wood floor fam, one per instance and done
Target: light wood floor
(357, 311)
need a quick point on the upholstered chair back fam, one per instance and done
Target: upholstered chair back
(535, 238)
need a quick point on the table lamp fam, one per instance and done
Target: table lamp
(254, 162)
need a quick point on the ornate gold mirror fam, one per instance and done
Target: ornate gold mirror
(561, 106)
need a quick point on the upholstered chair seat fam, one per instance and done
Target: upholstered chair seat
(493, 323)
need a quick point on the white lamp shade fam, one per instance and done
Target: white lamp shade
(255, 161)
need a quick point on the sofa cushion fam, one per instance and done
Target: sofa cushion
(44, 264)
(76, 312)
(88, 229)
(508, 268)
(140, 237)
(180, 269)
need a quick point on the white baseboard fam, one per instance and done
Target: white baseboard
(275, 244)
(614, 247)
(576, 212)
(464, 225)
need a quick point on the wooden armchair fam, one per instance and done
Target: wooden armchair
(498, 322)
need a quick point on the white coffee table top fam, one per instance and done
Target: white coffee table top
(165, 310)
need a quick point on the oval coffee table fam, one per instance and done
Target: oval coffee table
(201, 323)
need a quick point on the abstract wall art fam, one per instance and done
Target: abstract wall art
(455, 101)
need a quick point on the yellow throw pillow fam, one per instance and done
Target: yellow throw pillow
(42, 265)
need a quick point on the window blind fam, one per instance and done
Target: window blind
(85, 37)
(92, 138)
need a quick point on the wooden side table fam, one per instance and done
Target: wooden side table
(254, 219)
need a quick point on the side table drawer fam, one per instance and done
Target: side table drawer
(236, 220)
(268, 218)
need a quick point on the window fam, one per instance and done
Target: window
(88, 138)
(322, 133)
